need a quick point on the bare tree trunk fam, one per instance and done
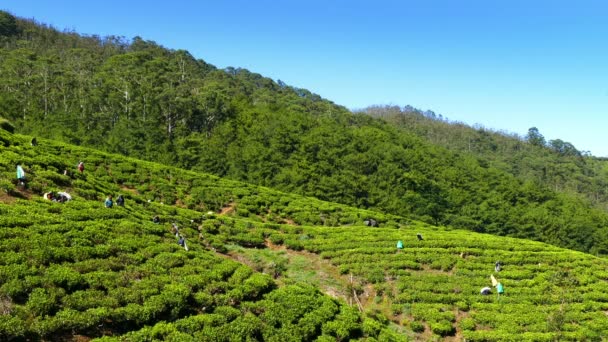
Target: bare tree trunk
(46, 92)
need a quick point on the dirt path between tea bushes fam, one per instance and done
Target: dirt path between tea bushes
(309, 268)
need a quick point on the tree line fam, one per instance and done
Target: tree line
(138, 98)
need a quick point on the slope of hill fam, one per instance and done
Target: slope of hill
(77, 270)
(433, 286)
(555, 163)
(140, 99)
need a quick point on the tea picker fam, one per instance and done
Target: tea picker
(500, 289)
(21, 175)
(109, 203)
(371, 222)
(175, 230)
(63, 197)
(182, 242)
(120, 201)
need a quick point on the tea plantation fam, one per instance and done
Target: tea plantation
(78, 271)
(433, 285)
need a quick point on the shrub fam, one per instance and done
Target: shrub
(46, 326)
(375, 276)
(257, 285)
(229, 313)
(371, 327)
(345, 324)
(294, 245)
(7, 186)
(14, 289)
(131, 313)
(83, 300)
(467, 324)
(463, 305)
(41, 302)
(204, 300)
(80, 321)
(7, 125)
(64, 276)
(417, 327)
(276, 239)
(442, 328)
(11, 327)
(218, 246)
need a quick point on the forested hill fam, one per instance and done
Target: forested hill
(554, 163)
(140, 99)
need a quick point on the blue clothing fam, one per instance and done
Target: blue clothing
(109, 203)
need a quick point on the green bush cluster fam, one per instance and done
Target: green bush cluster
(78, 268)
(551, 293)
(6, 125)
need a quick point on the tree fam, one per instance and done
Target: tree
(563, 148)
(8, 24)
(534, 137)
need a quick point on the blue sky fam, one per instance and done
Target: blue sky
(506, 65)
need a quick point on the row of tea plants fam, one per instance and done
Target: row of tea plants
(433, 285)
(80, 269)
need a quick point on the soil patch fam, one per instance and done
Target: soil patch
(229, 209)
(129, 190)
(6, 198)
(309, 268)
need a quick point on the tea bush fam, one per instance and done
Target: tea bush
(436, 292)
(78, 268)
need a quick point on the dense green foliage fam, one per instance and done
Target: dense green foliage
(433, 285)
(556, 164)
(79, 269)
(140, 99)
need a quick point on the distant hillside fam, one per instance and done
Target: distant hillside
(137, 98)
(556, 164)
(259, 266)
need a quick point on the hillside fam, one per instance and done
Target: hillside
(140, 99)
(76, 270)
(555, 163)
